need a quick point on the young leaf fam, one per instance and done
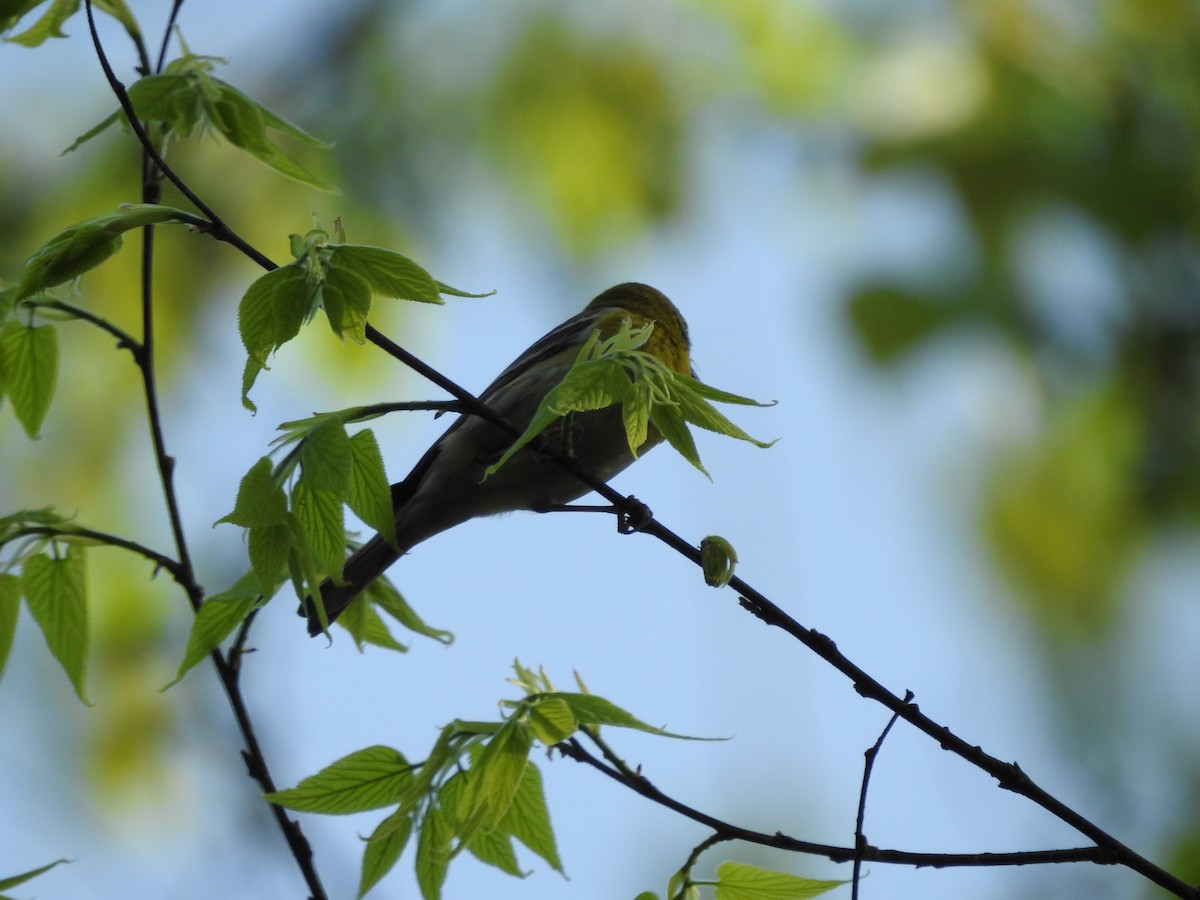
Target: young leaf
(528, 819)
(10, 605)
(495, 778)
(738, 881)
(268, 547)
(384, 847)
(318, 514)
(272, 310)
(56, 594)
(346, 299)
(590, 709)
(390, 274)
(366, 627)
(326, 458)
(85, 245)
(218, 616)
(433, 853)
(552, 720)
(260, 499)
(369, 494)
(365, 779)
(492, 847)
(29, 371)
(383, 594)
(48, 26)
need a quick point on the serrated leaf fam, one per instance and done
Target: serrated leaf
(495, 778)
(346, 299)
(669, 422)
(390, 274)
(738, 881)
(386, 597)
(383, 849)
(10, 605)
(326, 459)
(268, 547)
(366, 627)
(552, 720)
(369, 494)
(318, 514)
(699, 412)
(433, 853)
(29, 371)
(492, 847)
(56, 594)
(260, 499)
(365, 779)
(272, 310)
(528, 818)
(218, 616)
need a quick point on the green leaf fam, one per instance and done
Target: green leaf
(383, 849)
(365, 779)
(48, 26)
(552, 720)
(495, 778)
(29, 371)
(383, 594)
(493, 847)
(369, 494)
(433, 853)
(56, 594)
(738, 881)
(366, 627)
(219, 615)
(699, 412)
(260, 499)
(389, 273)
(85, 245)
(272, 310)
(346, 299)
(10, 605)
(268, 547)
(14, 880)
(318, 514)
(717, 559)
(528, 818)
(11, 11)
(244, 123)
(326, 459)
(592, 710)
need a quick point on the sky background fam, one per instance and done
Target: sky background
(862, 522)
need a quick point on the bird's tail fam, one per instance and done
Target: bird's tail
(366, 564)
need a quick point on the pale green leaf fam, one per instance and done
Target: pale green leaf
(346, 298)
(49, 25)
(56, 594)
(390, 274)
(492, 847)
(29, 371)
(528, 818)
(383, 849)
(552, 720)
(738, 881)
(318, 514)
(369, 494)
(387, 598)
(272, 310)
(260, 499)
(218, 616)
(366, 627)
(433, 853)
(326, 459)
(268, 547)
(495, 778)
(717, 559)
(590, 709)
(365, 779)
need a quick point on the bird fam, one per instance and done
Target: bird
(447, 486)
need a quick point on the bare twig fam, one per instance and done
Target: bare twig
(860, 837)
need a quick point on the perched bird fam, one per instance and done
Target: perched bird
(447, 486)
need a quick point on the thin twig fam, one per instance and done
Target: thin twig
(860, 837)
(638, 783)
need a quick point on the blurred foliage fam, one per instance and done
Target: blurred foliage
(1091, 109)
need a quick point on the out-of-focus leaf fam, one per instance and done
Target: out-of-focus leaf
(892, 322)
